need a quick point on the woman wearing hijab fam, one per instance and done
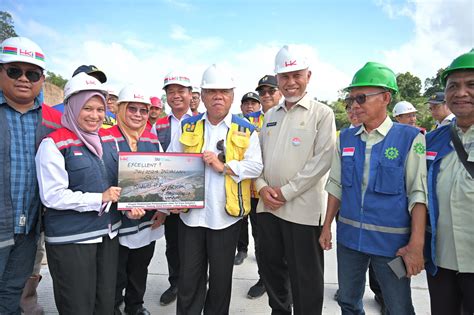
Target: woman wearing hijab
(137, 237)
(77, 175)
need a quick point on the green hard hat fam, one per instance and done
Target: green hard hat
(375, 74)
(465, 61)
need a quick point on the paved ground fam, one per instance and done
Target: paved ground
(244, 277)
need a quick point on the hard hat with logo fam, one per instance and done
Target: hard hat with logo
(83, 82)
(21, 49)
(176, 78)
(217, 78)
(132, 93)
(290, 58)
(403, 107)
(156, 102)
(375, 74)
(463, 62)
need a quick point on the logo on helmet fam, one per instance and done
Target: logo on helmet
(290, 63)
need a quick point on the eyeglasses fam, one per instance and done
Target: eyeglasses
(195, 98)
(112, 98)
(434, 107)
(360, 98)
(134, 110)
(270, 92)
(220, 146)
(15, 73)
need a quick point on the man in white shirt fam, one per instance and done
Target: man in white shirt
(439, 110)
(178, 90)
(208, 236)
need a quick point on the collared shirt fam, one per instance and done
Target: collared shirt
(455, 192)
(213, 215)
(446, 121)
(415, 165)
(53, 182)
(176, 128)
(24, 187)
(297, 146)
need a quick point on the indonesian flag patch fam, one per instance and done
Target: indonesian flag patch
(348, 151)
(430, 155)
(77, 153)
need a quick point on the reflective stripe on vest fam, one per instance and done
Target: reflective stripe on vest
(80, 237)
(373, 227)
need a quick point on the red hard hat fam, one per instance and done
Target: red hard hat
(156, 101)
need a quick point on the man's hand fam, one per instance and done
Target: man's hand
(159, 218)
(413, 258)
(326, 237)
(270, 198)
(210, 158)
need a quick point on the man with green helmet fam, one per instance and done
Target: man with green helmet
(450, 158)
(377, 184)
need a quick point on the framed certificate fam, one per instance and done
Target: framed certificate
(161, 180)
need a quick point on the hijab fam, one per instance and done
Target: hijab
(72, 108)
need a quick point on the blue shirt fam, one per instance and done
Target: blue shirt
(24, 186)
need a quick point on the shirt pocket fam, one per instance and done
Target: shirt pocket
(389, 179)
(79, 171)
(347, 173)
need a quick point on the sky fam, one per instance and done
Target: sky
(139, 42)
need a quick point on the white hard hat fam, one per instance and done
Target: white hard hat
(21, 49)
(112, 90)
(216, 78)
(176, 78)
(290, 58)
(82, 82)
(132, 93)
(196, 89)
(403, 107)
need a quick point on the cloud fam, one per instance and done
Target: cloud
(442, 31)
(180, 4)
(179, 33)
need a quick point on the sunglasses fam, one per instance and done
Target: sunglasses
(220, 146)
(270, 92)
(15, 73)
(134, 110)
(360, 98)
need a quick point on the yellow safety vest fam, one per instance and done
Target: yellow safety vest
(237, 142)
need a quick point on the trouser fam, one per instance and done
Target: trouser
(352, 269)
(16, 265)
(291, 251)
(451, 292)
(243, 242)
(132, 274)
(199, 248)
(172, 252)
(84, 276)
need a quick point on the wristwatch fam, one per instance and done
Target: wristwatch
(224, 171)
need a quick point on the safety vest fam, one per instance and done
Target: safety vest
(86, 173)
(381, 224)
(163, 131)
(255, 119)
(237, 142)
(438, 145)
(147, 142)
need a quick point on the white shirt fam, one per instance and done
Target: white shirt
(213, 215)
(53, 182)
(176, 127)
(446, 120)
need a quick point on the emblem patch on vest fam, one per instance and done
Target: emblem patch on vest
(391, 153)
(419, 148)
